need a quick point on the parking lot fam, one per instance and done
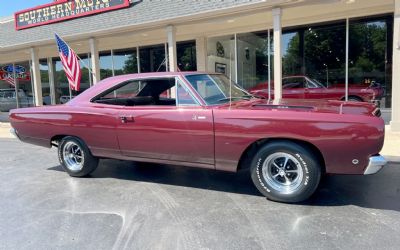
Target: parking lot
(126, 205)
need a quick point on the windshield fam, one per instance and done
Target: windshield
(314, 83)
(216, 89)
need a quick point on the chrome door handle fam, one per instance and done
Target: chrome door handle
(125, 119)
(198, 117)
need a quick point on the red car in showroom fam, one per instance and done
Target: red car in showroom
(206, 121)
(303, 87)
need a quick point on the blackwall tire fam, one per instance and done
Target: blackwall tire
(75, 157)
(285, 171)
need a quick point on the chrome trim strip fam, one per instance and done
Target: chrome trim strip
(376, 163)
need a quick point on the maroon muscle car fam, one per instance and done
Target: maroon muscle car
(303, 87)
(200, 120)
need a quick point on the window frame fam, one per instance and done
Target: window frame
(177, 78)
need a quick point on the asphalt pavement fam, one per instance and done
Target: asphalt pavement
(126, 205)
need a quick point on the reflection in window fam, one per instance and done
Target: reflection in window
(186, 55)
(316, 52)
(253, 60)
(221, 55)
(7, 85)
(61, 85)
(106, 64)
(44, 75)
(125, 62)
(369, 58)
(183, 96)
(152, 59)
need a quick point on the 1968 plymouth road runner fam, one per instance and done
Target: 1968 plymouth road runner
(201, 120)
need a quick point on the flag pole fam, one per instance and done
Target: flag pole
(16, 87)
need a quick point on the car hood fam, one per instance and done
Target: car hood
(318, 106)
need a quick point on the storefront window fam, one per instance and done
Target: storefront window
(106, 64)
(86, 81)
(62, 89)
(125, 61)
(153, 59)
(253, 58)
(369, 58)
(8, 84)
(44, 75)
(313, 62)
(186, 54)
(61, 86)
(221, 55)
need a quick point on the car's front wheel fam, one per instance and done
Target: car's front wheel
(285, 171)
(75, 157)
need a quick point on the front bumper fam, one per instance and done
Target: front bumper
(376, 163)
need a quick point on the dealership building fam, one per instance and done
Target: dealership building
(345, 43)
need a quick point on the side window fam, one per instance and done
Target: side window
(128, 90)
(183, 95)
(293, 83)
(207, 88)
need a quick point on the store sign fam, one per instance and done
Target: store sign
(63, 10)
(7, 72)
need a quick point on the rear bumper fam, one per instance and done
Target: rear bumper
(376, 163)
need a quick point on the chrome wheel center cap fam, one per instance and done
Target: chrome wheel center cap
(282, 173)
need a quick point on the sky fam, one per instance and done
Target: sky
(8, 8)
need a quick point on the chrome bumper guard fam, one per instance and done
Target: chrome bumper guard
(376, 163)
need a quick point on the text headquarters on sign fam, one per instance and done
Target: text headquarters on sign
(65, 10)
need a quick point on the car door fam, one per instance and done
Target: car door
(181, 132)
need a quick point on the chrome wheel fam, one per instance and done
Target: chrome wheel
(73, 156)
(282, 172)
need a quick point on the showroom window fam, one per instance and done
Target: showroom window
(153, 59)
(186, 55)
(106, 64)
(125, 61)
(44, 76)
(254, 55)
(370, 55)
(317, 54)
(63, 93)
(22, 80)
(221, 55)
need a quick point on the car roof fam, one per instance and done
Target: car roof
(113, 81)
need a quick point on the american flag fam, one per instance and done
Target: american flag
(70, 63)
(10, 80)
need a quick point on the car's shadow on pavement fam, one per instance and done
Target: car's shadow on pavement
(379, 191)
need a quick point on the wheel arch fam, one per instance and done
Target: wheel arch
(55, 140)
(251, 150)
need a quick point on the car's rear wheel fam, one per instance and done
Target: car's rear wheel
(75, 157)
(285, 171)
